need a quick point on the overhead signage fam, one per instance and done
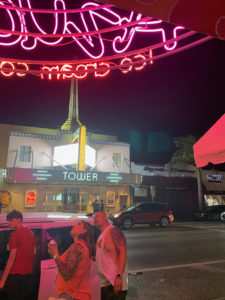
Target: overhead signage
(79, 71)
(24, 28)
(107, 39)
(214, 177)
(213, 181)
(72, 176)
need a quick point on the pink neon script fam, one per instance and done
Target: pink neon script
(64, 23)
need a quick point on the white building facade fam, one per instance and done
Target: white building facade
(39, 171)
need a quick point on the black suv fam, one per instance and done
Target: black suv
(143, 213)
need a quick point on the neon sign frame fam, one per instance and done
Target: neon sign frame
(91, 42)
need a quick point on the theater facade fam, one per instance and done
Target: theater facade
(34, 179)
(45, 190)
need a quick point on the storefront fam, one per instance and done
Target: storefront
(179, 193)
(213, 182)
(68, 190)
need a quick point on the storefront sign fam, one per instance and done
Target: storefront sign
(3, 174)
(34, 175)
(80, 176)
(214, 177)
(214, 181)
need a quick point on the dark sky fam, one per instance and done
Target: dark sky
(181, 94)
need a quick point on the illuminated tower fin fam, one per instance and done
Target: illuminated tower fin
(77, 105)
(72, 122)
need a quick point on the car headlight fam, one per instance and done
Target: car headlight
(116, 215)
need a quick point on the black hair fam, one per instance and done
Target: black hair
(14, 214)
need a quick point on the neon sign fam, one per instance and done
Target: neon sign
(12, 68)
(72, 176)
(79, 71)
(96, 30)
(20, 25)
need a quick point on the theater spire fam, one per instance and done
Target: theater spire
(72, 122)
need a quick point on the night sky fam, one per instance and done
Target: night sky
(178, 95)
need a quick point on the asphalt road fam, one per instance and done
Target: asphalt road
(185, 261)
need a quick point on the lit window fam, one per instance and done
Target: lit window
(117, 159)
(25, 153)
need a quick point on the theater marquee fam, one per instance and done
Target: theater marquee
(71, 176)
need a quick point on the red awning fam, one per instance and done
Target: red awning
(204, 16)
(211, 146)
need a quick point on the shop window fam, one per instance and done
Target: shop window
(123, 201)
(117, 159)
(25, 153)
(53, 202)
(110, 199)
(211, 200)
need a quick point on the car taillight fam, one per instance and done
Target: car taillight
(171, 218)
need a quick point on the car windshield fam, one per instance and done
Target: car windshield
(131, 207)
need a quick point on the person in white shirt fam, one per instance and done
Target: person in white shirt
(111, 259)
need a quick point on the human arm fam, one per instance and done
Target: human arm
(8, 267)
(121, 248)
(73, 256)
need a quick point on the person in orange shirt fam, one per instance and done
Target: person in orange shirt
(74, 264)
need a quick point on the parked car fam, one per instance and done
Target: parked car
(45, 227)
(143, 213)
(211, 213)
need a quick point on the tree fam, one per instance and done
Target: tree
(184, 153)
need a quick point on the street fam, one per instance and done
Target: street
(185, 261)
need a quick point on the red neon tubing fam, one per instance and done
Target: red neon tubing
(205, 39)
(36, 62)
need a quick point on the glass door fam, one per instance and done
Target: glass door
(84, 202)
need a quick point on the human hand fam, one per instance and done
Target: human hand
(117, 285)
(52, 250)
